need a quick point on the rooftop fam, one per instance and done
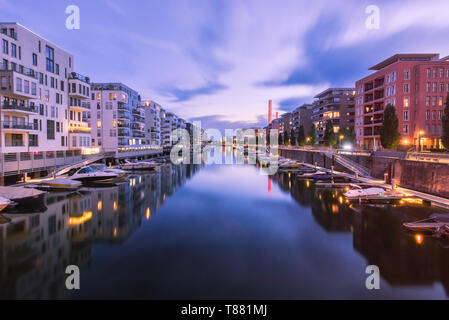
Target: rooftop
(328, 91)
(406, 57)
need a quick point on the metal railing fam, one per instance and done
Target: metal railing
(20, 126)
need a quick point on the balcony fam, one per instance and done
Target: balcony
(13, 83)
(79, 106)
(124, 132)
(79, 86)
(9, 125)
(77, 76)
(20, 108)
(138, 135)
(79, 129)
(138, 120)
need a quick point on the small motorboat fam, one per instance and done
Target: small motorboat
(139, 165)
(363, 193)
(292, 164)
(305, 170)
(104, 168)
(87, 174)
(4, 202)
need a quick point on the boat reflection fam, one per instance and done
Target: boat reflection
(35, 248)
(404, 259)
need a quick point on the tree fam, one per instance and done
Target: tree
(389, 134)
(347, 136)
(301, 136)
(286, 138)
(312, 135)
(293, 137)
(445, 128)
(330, 139)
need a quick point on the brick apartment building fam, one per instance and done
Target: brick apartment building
(416, 84)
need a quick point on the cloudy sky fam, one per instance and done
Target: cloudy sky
(221, 60)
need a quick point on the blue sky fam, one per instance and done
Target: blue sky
(221, 60)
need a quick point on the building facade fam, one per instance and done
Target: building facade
(152, 122)
(117, 118)
(35, 87)
(336, 105)
(416, 84)
(301, 117)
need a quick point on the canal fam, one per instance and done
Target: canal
(217, 232)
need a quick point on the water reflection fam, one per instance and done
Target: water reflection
(228, 233)
(35, 248)
(405, 259)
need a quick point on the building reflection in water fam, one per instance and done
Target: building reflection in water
(35, 248)
(404, 259)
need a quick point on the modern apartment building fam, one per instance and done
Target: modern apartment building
(117, 118)
(169, 123)
(301, 117)
(36, 79)
(152, 122)
(416, 84)
(336, 105)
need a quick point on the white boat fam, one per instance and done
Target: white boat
(87, 174)
(104, 168)
(59, 184)
(361, 193)
(139, 165)
(4, 203)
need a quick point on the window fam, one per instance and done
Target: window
(33, 88)
(440, 115)
(19, 84)
(434, 87)
(406, 102)
(428, 72)
(434, 115)
(50, 59)
(406, 88)
(33, 140)
(406, 74)
(405, 128)
(5, 46)
(50, 130)
(440, 101)
(13, 50)
(428, 87)
(427, 115)
(62, 141)
(441, 87)
(406, 116)
(26, 86)
(57, 68)
(427, 101)
(441, 73)
(34, 59)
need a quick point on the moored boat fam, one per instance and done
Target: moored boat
(87, 174)
(437, 223)
(102, 167)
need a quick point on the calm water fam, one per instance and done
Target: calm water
(217, 231)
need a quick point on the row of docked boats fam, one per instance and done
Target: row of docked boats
(72, 181)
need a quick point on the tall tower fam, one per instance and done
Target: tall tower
(270, 111)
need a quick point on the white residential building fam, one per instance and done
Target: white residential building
(152, 122)
(117, 118)
(35, 75)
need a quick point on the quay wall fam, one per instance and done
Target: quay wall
(427, 177)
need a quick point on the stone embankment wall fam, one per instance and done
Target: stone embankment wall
(428, 177)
